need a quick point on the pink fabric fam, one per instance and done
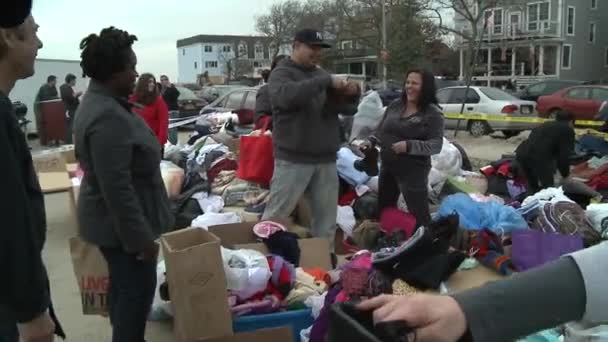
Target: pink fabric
(265, 229)
(393, 219)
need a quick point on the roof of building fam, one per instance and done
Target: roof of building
(208, 38)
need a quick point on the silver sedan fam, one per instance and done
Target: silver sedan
(489, 101)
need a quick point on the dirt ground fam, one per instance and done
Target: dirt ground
(62, 226)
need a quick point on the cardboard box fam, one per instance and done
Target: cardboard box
(197, 285)
(51, 182)
(197, 282)
(274, 335)
(50, 162)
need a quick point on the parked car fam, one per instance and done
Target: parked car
(212, 93)
(243, 98)
(189, 104)
(583, 101)
(197, 89)
(490, 101)
(544, 88)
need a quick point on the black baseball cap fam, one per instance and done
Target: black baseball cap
(14, 12)
(311, 37)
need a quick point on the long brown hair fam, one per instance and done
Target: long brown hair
(142, 94)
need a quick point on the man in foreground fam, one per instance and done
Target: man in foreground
(25, 303)
(306, 101)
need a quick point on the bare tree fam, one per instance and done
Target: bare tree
(281, 23)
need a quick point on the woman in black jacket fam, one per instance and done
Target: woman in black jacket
(123, 206)
(410, 133)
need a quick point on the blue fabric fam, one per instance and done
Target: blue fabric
(476, 216)
(593, 143)
(543, 336)
(346, 168)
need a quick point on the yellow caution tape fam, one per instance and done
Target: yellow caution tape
(536, 120)
(486, 117)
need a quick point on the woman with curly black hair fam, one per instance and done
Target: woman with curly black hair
(123, 206)
(410, 133)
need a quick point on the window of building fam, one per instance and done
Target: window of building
(242, 49)
(538, 16)
(566, 56)
(346, 45)
(495, 17)
(259, 49)
(211, 64)
(208, 48)
(571, 23)
(226, 48)
(195, 65)
(257, 64)
(592, 27)
(593, 4)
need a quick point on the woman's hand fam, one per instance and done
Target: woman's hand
(434, 318)
(400, 147)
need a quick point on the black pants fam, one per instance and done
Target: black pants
(414, 190)
(539, 173)
(70, 130)
(130, 296)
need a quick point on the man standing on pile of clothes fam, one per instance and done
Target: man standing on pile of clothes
(547, 149)
(306, 101)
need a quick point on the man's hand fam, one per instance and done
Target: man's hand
(149, 253)
(400, 147)
(40, 329)
(434, 318)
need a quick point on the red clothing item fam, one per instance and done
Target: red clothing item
(156, 115)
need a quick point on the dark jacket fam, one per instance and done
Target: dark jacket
(24, 291)
(423, 132)
(171, 95)
(306, 124)
(69, 99)
(549, 144)
(123, 201)
(262, 104)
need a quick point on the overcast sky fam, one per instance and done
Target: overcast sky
(63, 24)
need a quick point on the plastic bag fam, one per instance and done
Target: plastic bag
(161, 310)
(448, 161)
(316, 303)
(173, 178)
(346, 220)
(247, 272)
(213, 219)
(368, 117)
(596, 213)
(500, 219)
(583, 332)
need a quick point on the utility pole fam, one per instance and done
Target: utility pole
(384, 44)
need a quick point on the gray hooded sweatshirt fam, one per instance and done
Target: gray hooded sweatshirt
(305, 115)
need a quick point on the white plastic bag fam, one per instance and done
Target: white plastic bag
(161, 310)
(247, 272)
(316, 303)
(213, 219)
(346, 220)
(584, 332)
(173, 178)
(368, 117)
(448, 161)
(209, 203)
(596, 213)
